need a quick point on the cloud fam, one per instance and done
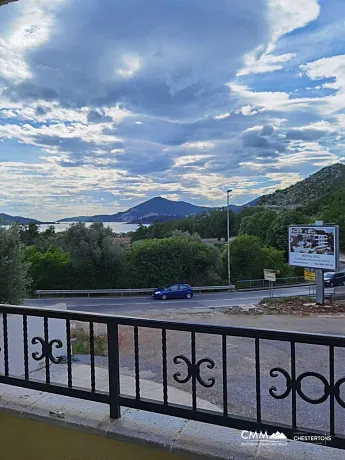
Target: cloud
(153, 61)
(284, 17)
(102, 107)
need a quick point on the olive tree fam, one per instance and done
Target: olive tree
(14, 279)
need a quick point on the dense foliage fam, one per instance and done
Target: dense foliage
(249, 258)
(211, 225)
(180, 258)
(14, 278)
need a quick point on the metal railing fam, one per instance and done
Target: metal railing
(264, 284)
(190, 369)
(121, 292)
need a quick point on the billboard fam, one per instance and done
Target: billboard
(314, 246)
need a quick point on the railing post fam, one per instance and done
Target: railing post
(114, 368)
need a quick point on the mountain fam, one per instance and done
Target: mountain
(5, 219)
(327, 180)
(154, 209)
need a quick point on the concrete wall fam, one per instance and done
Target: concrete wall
(42, 441)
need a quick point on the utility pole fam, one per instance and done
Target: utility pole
(228, 231)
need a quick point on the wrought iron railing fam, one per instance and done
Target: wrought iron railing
(199, 372)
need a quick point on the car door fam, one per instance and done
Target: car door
(182, 291)
(174, 294)
(340, 279)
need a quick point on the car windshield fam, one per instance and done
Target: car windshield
(328, 275)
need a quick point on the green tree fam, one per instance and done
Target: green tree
(96, 258)
(249, 259)
(274, 259)
(14, 279)
(245, 212)
(158, 262)
(29, 234)
(332, 210)
(141, 233)
(257, 224)
(246, 258)
(278, 231)
(49, 270)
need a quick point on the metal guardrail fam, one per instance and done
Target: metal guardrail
(199, 370)
(240, 285)
(263, 284)
(120, 292)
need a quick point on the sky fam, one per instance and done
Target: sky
(105, 104)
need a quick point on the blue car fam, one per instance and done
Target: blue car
(174, 291)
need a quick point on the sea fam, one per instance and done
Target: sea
(117, 227)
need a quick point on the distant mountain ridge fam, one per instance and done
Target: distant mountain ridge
(326, 180)
(311, 190)
(157, 208)
(6, 219)
(153, 209)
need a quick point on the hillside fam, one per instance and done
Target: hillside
(157, 208)
(315, 187)
(6, 219)
(153, 209)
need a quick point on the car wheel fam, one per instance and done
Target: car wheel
(164, 297)
(189, 295)
(331, 284)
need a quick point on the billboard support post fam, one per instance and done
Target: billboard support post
(320, 288)
(319, 282)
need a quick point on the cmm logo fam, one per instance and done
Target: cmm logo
(277, 437)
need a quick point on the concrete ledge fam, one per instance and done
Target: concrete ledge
(187, 438)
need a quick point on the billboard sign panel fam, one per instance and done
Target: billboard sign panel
(314, 246)
(270, 275)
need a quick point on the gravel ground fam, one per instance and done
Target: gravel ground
(241, 363)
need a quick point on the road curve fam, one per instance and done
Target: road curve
(137, 305)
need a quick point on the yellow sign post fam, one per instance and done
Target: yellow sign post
(309, 276)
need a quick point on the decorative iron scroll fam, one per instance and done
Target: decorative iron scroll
(194, 371)
(297, 385)
(47, 349)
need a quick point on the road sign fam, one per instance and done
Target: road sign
(309, 275)
(270, 275)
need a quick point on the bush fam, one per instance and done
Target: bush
(14, 279)
(158, 262)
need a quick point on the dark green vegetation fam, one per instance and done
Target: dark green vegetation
(172, 251)
(325, 181)
(13, 270)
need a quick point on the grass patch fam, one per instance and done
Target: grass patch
(81, 345)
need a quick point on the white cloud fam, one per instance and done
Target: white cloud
(31, 27)
(266, 63)
(328, 68)
(131, 66)
(284, 16)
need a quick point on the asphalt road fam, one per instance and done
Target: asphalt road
(137, 305)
